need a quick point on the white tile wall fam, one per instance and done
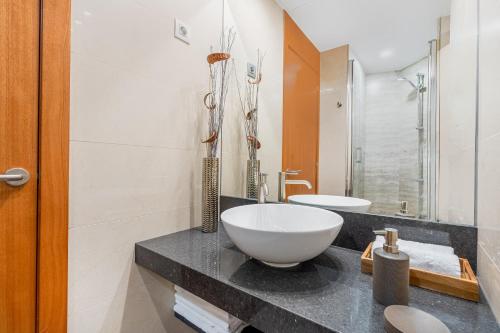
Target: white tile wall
(489, 152)
(136, 126)
(457, 104)
(112, 181)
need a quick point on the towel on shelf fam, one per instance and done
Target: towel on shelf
(435, 258)
(204, 315)
(197, 320)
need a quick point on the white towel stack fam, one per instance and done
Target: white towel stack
(435, 258)
(204, 315)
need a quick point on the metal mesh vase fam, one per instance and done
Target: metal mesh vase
(210, 195)
(253, 170)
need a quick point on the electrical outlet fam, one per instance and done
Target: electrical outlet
(182, 31)
(251, 70)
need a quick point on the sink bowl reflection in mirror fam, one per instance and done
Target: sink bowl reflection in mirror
(332, 202)
(281, 235)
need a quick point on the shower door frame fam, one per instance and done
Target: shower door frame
(433, 132)
(349, 164)
(432, 140)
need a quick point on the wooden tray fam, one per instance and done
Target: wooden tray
(465, 287)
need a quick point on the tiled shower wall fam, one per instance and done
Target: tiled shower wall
(390, 140)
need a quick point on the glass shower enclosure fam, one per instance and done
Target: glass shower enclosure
(393, 154)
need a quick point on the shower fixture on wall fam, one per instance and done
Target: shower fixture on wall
(417, 88)
(407, 80)
(422, 142)
(418, 92)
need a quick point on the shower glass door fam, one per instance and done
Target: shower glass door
(394, 121)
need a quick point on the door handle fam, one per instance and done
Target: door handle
(15, 177)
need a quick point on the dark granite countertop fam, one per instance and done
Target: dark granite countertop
(326, 294)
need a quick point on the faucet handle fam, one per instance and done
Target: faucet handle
(263, 190)
(262, 178)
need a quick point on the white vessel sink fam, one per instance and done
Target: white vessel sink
(332, 202)
(281, 235)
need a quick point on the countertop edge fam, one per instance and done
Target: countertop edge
(222, 295)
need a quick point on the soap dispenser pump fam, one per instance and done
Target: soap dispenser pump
(391, 271)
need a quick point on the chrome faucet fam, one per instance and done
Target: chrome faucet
(282, 182)
(262, 189)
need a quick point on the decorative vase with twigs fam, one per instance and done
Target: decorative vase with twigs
(215, 100)
(250, 110)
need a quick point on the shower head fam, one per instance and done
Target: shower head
(417, 88)
(402, 78)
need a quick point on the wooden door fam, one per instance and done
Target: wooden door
(19, 68)
(300, 107)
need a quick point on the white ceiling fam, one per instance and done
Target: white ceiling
(384, 35)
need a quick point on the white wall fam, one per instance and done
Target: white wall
(457, 76)
(267, 36)
(136, 126)
(488, 218)
(137, 120)
(333, 121)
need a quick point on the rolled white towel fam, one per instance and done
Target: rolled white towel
(207, 315)
(423, 246)
(197, 319)
(201, 303)
(204, 313)
(435, 258)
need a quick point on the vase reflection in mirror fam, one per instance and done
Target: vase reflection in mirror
(249, 105)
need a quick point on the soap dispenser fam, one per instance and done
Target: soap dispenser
(391, 271)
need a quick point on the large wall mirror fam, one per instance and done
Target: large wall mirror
(376, 102)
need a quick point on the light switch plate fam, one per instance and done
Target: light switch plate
(251, 70)
(182, 31)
